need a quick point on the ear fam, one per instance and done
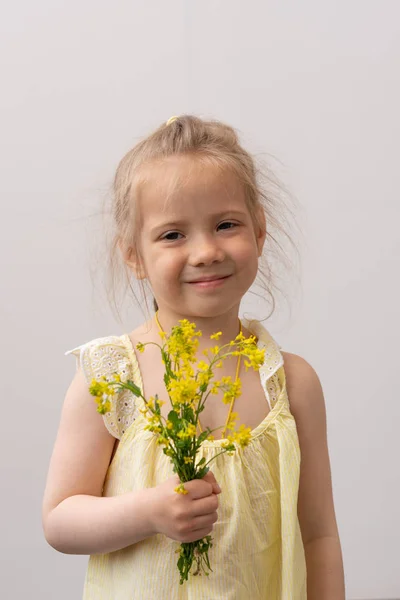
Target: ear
(132, 259)
(261, 230)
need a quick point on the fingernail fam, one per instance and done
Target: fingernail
(219, 488)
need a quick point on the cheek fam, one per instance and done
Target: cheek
(245, 250)
(163, 264)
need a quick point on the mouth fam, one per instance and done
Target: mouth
(209, 282)
(210, 278)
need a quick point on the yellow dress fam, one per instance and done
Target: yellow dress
(258, 552)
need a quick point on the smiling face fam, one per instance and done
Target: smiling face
(198, 244)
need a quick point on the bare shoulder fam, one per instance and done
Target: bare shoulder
(302, 382)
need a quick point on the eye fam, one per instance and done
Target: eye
(227, 225)
(171, 236)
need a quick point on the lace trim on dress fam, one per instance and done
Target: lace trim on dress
(104, 357)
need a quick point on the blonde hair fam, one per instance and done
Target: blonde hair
(212, 142)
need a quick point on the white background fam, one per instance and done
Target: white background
(315, 84)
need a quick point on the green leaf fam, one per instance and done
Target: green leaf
(202, 437)
(188, 414)
(134, 388)
(174, 418)
(200, 474)
(207, 560)
(201, 462)
(156, 404)
(183, 444)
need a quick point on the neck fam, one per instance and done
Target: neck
(227, 323)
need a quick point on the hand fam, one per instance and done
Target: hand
(185, 517)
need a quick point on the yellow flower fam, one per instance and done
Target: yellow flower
(185, 370)
(182, 391)
(183, 343)
(181, 489)
(103, 392)
(103, 406)
(241, 437)
(240, 337)
(229, 446)
(215, 388)
(232, 421)
(99, 388)
(202, 366)
(140, 347)
(233, 391)
(189, 431)
(152, 419)
(188, 460)
(150, 403)
(216, 336)
(163, 441)
(153, 428)
(169, 425)
(251, 340)
(204, 378)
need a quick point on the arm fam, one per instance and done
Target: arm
(85, 524)
(78, 520)
(325, 577)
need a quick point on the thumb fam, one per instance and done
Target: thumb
(210, 478)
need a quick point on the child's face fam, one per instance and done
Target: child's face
(200, 230)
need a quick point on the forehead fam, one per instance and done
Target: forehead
(179, 184)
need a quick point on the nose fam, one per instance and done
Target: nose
(205, 251)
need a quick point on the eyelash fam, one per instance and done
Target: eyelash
(165, 236)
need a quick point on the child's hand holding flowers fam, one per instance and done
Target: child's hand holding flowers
(185, 517)
(188, 390)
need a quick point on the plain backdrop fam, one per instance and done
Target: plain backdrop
(314, 84)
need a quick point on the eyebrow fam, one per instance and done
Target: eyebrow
(216, 216)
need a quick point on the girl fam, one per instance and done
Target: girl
(191, 223)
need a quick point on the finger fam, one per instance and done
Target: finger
(210, 477)
(199, 534)
(204, 506)
(198, 488)
(205, 521)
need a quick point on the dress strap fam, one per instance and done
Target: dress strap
(103, 357)
(272, 372)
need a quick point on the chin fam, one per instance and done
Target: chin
(213, 309)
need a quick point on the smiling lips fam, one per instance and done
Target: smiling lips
(209, 278)
(211, 281)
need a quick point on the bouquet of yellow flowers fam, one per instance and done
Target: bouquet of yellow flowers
(188, 391)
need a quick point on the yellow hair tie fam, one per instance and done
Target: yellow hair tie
(171, 120)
